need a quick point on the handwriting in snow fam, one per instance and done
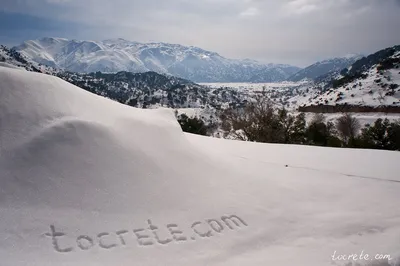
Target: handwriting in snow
(148, 236)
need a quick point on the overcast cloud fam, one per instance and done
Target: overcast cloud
(297, 32)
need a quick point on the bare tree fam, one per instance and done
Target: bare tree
(256, 121)
(260, 121)
(348, 127)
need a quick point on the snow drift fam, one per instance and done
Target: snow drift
(88, 181)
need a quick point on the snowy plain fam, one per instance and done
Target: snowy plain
(86, 181)
(292, 95)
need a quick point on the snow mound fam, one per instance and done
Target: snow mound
(88, 181)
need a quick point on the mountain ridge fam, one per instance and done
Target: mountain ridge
(114, 55)
(322, 69)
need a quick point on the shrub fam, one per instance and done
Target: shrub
(318, 132)
(192, 125)
(376, 136)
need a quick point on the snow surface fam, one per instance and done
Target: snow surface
(76, 168)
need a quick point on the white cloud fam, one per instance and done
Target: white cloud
(300, 7)
(249, 12)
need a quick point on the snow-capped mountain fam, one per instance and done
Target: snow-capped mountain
(116, 55)
(325, 68)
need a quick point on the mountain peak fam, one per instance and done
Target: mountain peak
(114, 55)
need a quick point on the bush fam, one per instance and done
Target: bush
(318, 132)
(192, 125)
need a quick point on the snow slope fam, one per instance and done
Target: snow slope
(379, 88)
(373, 81)
(87, 181)
(116, 55)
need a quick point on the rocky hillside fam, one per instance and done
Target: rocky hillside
(117, 55)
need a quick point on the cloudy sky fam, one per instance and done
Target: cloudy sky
(296, 32)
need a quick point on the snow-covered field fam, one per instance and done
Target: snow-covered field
(288, 94)
(256, 86)
(86, 181)
(363, 118)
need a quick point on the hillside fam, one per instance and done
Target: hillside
(11, 57)
(87, 181)
(117, 55)
(330, 67)
(151, 89)
(370, 84)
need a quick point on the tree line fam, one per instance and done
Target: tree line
(261, 121)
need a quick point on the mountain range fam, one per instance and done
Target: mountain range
(116, 55)
(371, 83)
(143, 90)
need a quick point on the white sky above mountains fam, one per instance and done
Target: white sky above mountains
(297, 32)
